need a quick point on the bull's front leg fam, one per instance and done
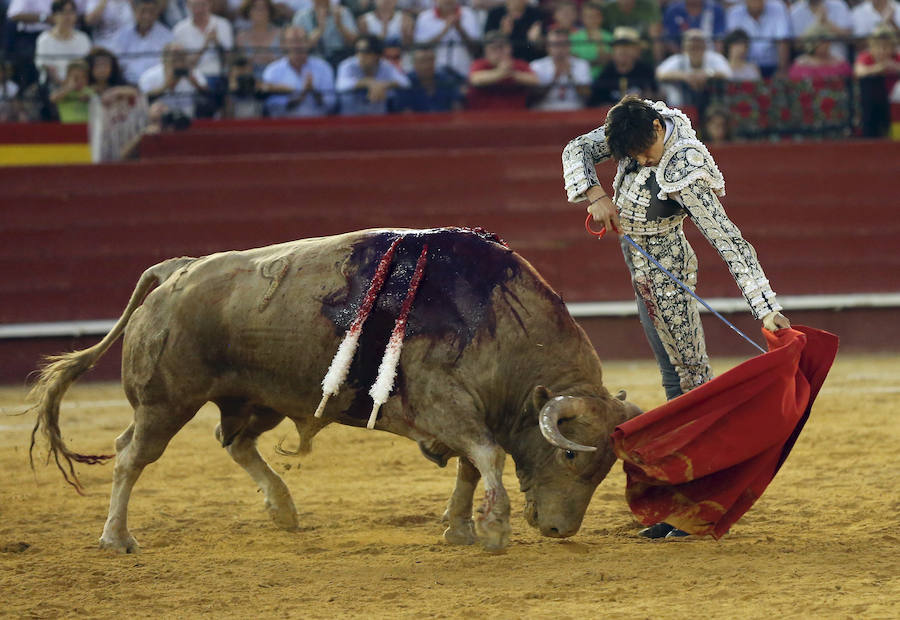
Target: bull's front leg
(492, 518)
(461, 528)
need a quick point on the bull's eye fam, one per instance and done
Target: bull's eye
(570, 454)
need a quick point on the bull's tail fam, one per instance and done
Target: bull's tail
(58, 372)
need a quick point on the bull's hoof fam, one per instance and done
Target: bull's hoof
(491, 547)
(285, 517)
(493, 534)
(281, 507)
(461, 533)
(128, 545)
(285, 520)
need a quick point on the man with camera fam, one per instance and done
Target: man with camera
(174, 82)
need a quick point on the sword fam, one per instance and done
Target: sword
(602, 231)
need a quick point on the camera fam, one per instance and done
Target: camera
(180, 72)
(175, 120)
(246, 85)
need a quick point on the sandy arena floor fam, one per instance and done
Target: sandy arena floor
(823, 542)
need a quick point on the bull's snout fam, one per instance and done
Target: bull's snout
(553, 531)
(547, 524)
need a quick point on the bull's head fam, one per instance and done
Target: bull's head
(565, 463)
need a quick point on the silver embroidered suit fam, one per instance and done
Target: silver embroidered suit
(652, 204)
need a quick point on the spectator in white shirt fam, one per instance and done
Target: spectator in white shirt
(25, 21)
(565, 80)
(452, 30)
(140, 47)
(831, 16)
(331, 29)
(205, 35)
(685, 77)
(29, 17)
(389, 23)
(768, 24)
(106, 18)
(298, 84)
(294, 6)
(62, 44)
(173, 81)
(868, 15)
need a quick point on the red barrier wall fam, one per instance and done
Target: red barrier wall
(507, 130)
(74, 240)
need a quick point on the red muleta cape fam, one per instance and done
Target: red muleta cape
(701, 460)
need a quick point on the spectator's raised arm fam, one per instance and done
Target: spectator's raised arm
(29, 11)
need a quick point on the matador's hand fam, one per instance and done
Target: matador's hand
(775, 321)
(603, 210)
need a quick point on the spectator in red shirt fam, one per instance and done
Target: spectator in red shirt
(878, 70)
(818, 62)
(522, 24)
(498, 81)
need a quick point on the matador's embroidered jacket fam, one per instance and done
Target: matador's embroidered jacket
(652, 204)
(648, 199)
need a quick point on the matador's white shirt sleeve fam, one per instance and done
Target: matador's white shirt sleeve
(688, 173)
(578, 160)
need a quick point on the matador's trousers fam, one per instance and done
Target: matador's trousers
(670, 317)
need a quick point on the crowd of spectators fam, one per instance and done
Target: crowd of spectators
(299, 58)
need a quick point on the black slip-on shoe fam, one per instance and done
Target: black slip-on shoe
(657, 530)
(676, 533)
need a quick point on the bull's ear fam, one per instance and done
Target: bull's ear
(539, 397)
(621, 395)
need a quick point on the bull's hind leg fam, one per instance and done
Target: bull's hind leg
(461, 528)
(492, 520)
(141, 444)
(242, 448)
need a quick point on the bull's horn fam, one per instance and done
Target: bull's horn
(621, 395)
(548, 423)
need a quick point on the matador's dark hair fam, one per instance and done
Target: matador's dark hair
(629, 127)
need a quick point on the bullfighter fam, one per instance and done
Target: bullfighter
(665, 174)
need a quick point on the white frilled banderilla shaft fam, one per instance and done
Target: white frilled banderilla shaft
(387, 371)
(340, 364)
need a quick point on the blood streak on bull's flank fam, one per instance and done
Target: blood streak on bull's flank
(377, 282)
(453, 302)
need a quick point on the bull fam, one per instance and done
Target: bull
(492, 364)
